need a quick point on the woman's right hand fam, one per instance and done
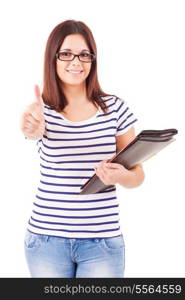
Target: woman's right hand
(32, 120)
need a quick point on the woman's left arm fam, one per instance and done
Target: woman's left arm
(133, 178)
(136, 173)
(112, 173)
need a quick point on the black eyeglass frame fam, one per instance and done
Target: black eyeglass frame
(74, 55)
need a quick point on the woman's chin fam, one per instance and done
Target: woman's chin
(73, 82)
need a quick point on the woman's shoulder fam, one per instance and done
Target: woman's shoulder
(49, 112)
(49, 109)
(113, 100)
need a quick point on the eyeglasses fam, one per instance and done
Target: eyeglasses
(68, 56)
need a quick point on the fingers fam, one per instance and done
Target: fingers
(33, 120)
(30, 119)
(100, 173)
(107, 164)
(101, 169)
(102, 164)
(31, 126)
(35, 111)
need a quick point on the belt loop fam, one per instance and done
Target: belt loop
(47, 238)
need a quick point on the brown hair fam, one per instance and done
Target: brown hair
(52, 92)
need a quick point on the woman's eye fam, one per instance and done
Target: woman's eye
(84, 54)
(66, 54)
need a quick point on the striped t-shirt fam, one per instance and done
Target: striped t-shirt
(69, 151)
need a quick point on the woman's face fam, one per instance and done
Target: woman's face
(76, 44)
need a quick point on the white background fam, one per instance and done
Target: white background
(141, 49)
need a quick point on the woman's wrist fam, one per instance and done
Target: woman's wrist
(133, 178)
(31, 137)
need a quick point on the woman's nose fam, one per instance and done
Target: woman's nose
(76, 60)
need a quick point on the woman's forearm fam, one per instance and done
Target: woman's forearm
(135, 178)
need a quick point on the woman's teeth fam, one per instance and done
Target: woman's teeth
(75, 72)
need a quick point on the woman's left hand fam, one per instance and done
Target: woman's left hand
(111, 173)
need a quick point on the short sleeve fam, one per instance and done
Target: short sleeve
(125, 117)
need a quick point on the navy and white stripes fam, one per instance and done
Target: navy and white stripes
(69, 151)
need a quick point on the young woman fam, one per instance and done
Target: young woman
(77, 127)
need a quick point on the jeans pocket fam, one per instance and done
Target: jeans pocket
(31, 240)
(113, 244)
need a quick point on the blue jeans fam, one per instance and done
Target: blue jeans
(49, 256)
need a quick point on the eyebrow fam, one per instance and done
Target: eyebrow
(71, 50)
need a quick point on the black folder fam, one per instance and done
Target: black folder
(146, 144)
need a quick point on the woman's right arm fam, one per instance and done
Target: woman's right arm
(32, 120)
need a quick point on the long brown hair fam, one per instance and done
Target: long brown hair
(52, 92)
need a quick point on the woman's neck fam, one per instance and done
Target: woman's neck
(75, 95)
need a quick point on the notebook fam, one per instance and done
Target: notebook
(146, 144)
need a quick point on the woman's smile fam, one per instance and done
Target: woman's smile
(75, 72)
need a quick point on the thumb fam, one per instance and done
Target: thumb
(38, 96)
(114, 165)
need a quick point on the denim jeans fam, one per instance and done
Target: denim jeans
(49, 256)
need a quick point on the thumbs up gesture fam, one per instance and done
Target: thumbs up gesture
(32, 120)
